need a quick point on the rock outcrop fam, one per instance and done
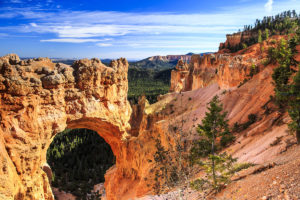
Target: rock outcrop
(226, 69)
(236, 39)
(40, 99)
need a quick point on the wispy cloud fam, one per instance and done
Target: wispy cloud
(104, 44)
(16, 1)
(269, 6)
(134, 31)
(33, 24)
(103, 30)
(72, 40)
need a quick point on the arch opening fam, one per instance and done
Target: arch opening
(78, 159)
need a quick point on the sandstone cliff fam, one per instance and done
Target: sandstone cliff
(236, 39)
(226, 69)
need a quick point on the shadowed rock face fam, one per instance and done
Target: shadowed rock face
(40, 99)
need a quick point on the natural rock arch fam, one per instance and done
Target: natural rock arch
(40, 99)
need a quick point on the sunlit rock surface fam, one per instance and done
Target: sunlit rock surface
(40, 99)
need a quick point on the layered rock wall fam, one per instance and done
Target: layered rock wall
(226, 69)
(236, 39)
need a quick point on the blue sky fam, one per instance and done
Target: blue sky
(134, 29)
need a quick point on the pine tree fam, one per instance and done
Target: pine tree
(267, 33)
(214, 128)
(283, 55)
(294, 106)
(259, 36)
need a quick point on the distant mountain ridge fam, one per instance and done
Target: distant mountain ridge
(169, 58)
(163, 62)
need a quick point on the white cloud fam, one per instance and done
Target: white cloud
(104, 44)
(103, 30)
(269, 6)
(72, 40)
(33, 24)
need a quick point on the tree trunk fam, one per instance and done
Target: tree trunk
(298, 136)
(213, 162)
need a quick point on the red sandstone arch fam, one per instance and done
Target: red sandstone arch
(40, 99)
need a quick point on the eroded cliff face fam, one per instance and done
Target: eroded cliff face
(226, 69)
(40, 99)
(236, 39)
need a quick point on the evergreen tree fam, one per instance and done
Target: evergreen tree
(259, 36)
(267, 33)
(294, 105)
(213, 130)
(283, 55)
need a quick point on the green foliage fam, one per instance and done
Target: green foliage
(148, 82)
(171, 170)
(267, 33)
(164, 176)
(219, 169)
(239, 167)
(287, 94)
(259, 39)
(253, 70)
(201, 149)
(284, 56)
(252, 118)
(281, 24)
(244, 46)
(294, 105)
(214, 124)
(242, 83)
(156, 65)
(214, 133)
(262, 49)
(79, 159)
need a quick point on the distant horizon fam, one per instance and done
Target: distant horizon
(21, 57)
(132, 29)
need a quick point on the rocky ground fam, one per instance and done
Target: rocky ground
(277, 180)
(280, 180)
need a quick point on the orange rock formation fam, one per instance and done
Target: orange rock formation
(40, 99)
(228, 70)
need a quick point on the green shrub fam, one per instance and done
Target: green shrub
(240, 166)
